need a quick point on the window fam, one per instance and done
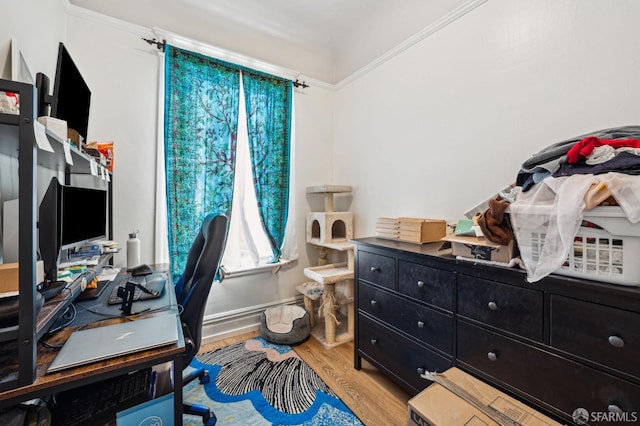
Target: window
(247, 243)
(227, 149)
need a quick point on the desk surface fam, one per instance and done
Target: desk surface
(48, 383)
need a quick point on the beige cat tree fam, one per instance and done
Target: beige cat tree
(332, 285)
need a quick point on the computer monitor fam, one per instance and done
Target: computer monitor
(71, 96)
(84, 216)
(69, 217)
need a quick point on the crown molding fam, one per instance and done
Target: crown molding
(318, 83)
(441, 23)
(224, 54)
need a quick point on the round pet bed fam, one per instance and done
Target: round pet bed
(285, 325)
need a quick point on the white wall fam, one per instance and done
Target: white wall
(38, 26)
(448, 122)
(37, 36)
(377, 30)
(122, 73)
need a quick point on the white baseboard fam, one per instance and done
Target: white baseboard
(228, 324)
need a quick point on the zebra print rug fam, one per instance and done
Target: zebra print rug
(259, 383)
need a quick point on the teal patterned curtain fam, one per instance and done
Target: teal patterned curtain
(268, 106)
(201, 124)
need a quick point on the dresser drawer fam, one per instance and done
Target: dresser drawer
(399, 355)
(561, 384)
(599, 333)
(430, 285)
(431, 327)
(377, 269)
(515, 309)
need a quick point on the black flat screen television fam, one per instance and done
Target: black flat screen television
(69, 217)
(71, 96)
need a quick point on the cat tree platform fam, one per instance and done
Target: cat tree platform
(331, 326)
(331, 273)
(332, 288)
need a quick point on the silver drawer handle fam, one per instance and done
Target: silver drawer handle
(420, 324)
(374, 269)
(420, 370)
(420, 284)
(492, 356)
(374, 341)
(612, 408)
(616, 341)
(493, 306)
(374, 303)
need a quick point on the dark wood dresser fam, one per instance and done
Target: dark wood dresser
(559, 344)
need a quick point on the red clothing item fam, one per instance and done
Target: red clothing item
(586, 145)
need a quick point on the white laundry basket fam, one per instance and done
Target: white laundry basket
(606, 248)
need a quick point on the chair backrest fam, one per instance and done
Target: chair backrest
(192, 288)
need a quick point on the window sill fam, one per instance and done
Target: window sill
(274, 268)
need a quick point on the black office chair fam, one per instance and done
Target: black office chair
(192, 291)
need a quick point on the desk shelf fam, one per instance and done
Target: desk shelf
(18, 145)
(54, 307)
(46, 318)
(9, 333)
(55, 160)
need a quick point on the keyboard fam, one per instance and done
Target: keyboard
(98, 403)
(153, 282)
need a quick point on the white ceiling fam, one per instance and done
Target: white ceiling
(328, 39)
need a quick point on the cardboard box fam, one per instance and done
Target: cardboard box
(422, 230)
(9, 278)
(75, 138)
(479, 248)
(473, 403)
(57, 126)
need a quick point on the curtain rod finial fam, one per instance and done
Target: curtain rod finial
(159, 45)
(299, 83)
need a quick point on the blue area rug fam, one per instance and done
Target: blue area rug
(259, 383)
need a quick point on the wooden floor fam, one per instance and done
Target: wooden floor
(369, 394)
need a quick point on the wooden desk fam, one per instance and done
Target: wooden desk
(49, 383)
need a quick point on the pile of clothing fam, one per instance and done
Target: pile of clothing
(562, 181)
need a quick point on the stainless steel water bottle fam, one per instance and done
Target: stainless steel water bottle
(133, 250)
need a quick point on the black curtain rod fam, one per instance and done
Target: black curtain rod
(159, 45)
